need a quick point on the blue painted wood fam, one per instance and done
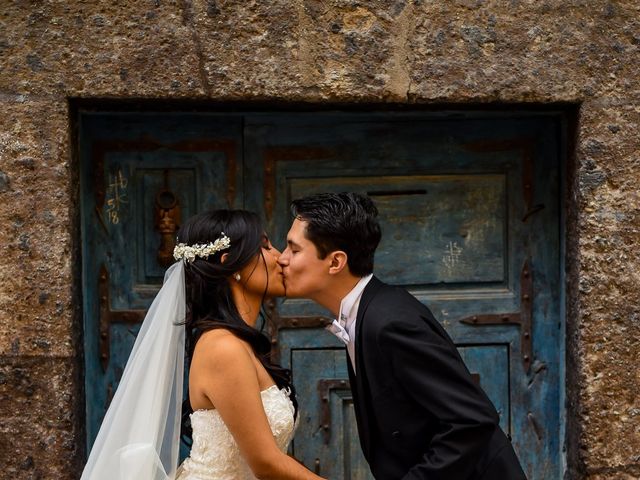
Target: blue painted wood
(491, 364)
(341, 457)
(452, 197)
(453, 226)
(126, 156)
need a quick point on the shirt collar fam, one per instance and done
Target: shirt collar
(352, 299)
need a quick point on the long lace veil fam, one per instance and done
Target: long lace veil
(140, 435)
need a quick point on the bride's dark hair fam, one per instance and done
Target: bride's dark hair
(208, 295)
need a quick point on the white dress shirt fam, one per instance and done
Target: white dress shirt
(344, 327)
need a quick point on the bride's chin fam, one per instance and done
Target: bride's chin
(278, 291)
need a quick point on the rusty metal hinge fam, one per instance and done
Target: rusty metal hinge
(108, 316)
(275, 323)
(324, 390)
(523, 318)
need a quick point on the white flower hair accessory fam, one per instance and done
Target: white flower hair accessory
(189, 252)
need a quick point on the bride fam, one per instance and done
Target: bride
(242, 407)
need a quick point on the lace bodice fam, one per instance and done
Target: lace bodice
(214, 453)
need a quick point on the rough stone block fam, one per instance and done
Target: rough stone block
(39, 434)
(119, 49)
(36, 310)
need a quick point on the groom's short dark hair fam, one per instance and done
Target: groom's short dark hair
(341, 221)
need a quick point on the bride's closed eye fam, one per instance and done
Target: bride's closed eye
(266, 244)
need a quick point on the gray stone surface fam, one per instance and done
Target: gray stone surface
(100, 49)
(35, 241)
(39, 434)
(460, 52)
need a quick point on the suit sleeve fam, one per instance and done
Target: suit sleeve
(424, 361)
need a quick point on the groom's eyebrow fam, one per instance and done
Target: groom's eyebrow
(291, 243)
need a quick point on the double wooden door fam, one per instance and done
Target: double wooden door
(470, 212)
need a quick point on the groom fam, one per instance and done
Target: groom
(419, 413)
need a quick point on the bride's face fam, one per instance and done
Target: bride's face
(260, 274)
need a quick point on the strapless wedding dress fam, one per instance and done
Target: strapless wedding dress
(214, 453)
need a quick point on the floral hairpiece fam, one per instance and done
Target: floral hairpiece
(190, 252)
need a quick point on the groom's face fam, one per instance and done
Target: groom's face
(305, 275)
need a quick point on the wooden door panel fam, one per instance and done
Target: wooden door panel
(127, 161)
(135, 272)
(489, 364)
(465, 202)
(327, 437)
(468, 206)
(437, 228)
(150, 177)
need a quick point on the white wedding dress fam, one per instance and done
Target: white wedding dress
(215, 454)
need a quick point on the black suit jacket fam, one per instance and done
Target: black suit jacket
(419, 413)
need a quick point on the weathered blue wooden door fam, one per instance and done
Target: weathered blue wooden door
(469, 209)
(140, 175)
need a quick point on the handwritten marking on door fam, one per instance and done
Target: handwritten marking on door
(116, 195)
(451, 256)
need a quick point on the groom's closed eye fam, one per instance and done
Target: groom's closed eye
(294, 247)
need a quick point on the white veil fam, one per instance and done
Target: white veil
(140, 435)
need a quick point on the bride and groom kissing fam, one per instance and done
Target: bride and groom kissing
(419, 413)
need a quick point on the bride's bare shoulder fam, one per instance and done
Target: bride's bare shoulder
(220, 344)
(221, 363)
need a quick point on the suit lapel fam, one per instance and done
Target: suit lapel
(359, 379)
(368, 294)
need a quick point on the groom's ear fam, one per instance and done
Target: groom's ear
(338, 262)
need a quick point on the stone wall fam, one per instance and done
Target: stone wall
(463, 52)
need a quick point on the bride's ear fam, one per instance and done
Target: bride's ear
(224, 257)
